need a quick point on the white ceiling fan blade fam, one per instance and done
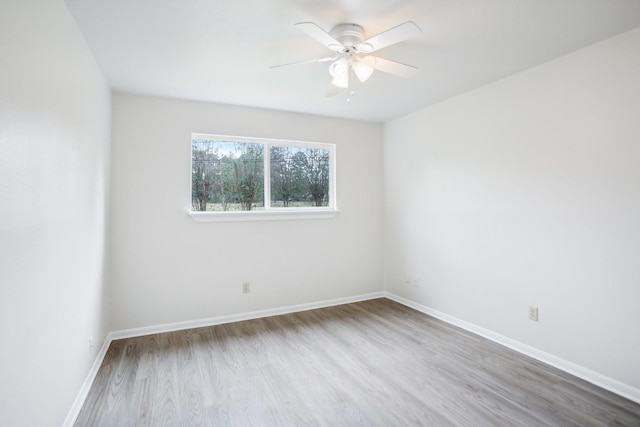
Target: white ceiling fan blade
(392, 36)
(395, 68)
(306, 62)
(321, 35)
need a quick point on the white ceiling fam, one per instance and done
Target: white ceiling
(221, 50)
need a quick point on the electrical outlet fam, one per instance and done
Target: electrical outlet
(246, 287)
(533, 313)
(90, 345)
(411, 280)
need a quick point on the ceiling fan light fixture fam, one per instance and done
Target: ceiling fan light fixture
(363, 68)
(350, 48)
(339, 68)
(341, 81)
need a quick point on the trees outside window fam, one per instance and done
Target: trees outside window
(226, 175)
(241, 174)
(299, 176)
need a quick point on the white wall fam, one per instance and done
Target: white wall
(54, 141)
(168, 268)
(527, 192)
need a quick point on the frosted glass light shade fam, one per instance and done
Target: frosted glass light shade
(364, 68)
(339, 71)
(341, 80)
(339, 68)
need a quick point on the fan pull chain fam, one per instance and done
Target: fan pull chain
(350, 96)
(350, 88)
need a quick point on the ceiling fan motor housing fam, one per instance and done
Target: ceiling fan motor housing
(350, 35)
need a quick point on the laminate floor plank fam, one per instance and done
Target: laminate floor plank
(372, 363)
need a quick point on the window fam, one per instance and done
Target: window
(248, 178)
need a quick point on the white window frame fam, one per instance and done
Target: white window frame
(269, 213)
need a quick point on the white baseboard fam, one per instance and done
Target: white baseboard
(600, 380)
(86, 385)
(219, 320)
(593, 377)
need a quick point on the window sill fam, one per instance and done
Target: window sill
(271, 215)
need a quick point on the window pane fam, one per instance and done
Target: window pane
(226, 176)
(299, 177)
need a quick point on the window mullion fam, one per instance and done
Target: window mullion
(267, 176)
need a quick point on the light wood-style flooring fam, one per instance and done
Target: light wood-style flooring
(372, 363)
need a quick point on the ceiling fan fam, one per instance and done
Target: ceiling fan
(352, 52)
